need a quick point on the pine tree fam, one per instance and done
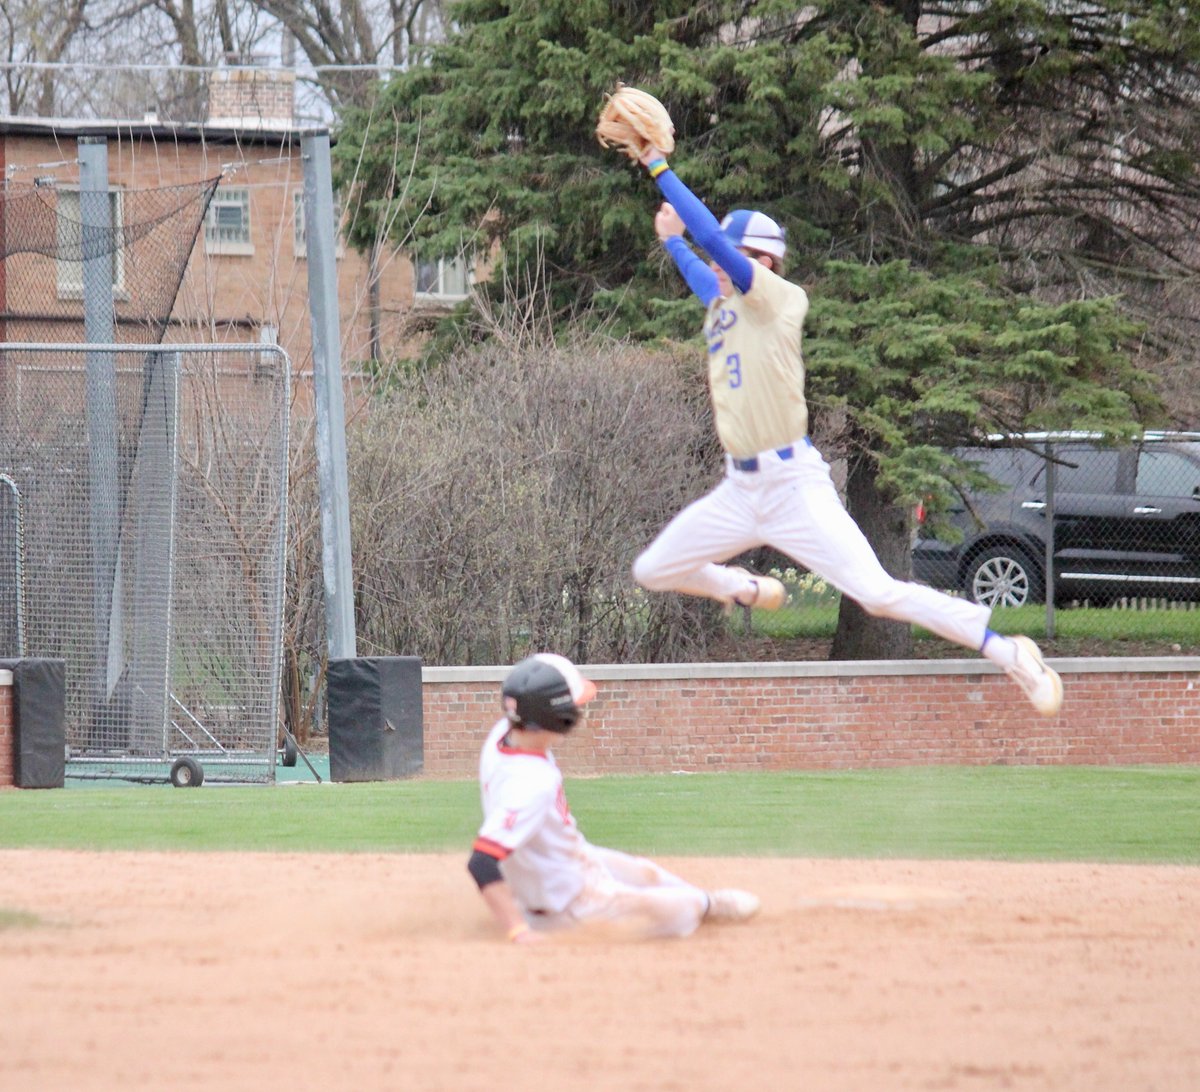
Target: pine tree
(989, 202)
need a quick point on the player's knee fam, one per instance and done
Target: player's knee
(647, 574)
(886, 602)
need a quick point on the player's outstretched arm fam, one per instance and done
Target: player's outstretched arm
(704, 227)
(498, 896)
(500, 902)
(669, 228)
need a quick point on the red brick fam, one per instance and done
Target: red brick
(807, 722)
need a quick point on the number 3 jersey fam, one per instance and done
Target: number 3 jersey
(755, 367)
(527, 825)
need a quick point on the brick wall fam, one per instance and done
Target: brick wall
(6, 729)
(812, 716)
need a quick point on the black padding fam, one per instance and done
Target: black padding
(40, 722)
(376, 723)
(484, 869)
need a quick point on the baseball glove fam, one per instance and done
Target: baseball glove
(632, 121)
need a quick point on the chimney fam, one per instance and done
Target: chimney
(252, 98)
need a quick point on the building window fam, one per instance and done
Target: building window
(300, 229)
(442, 278)
(71, 250)
(227, 223)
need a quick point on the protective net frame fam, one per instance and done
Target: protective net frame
(56, 238)
(12, 570)
(155, 539)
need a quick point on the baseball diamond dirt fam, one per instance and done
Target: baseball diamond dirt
(366, 971)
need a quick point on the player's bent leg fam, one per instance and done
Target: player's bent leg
(674, 910)
(662, 911)
(824, 538)
(812, 526)
(635, 871)
(957, 620)
(683, 557)
(965, 623)
(646, 900)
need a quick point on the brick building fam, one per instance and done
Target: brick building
(246, 279)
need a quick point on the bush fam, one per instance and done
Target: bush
(498, 501)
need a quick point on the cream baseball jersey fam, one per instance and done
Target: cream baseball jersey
(528, 826)
(755, 366)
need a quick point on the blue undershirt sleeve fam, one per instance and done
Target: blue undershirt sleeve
(706, 231)
(700, 279)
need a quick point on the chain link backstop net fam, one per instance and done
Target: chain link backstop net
(153, 484)
(145, 505)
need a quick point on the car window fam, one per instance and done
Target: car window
(1084, 470)
(1167, 474)
(1008, 465)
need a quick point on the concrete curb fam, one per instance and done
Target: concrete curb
(1078, 665)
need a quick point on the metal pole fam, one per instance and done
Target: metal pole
(1050, 473)
(154, 554)
(20, 563)
(320, 242)
(96, 249)
(3, 302)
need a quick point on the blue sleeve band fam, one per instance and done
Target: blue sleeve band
(706, 230)
(700, 279)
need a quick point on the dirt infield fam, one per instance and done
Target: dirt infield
(365, 972)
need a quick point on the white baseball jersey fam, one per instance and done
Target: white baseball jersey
(528, 825)
(555, 874)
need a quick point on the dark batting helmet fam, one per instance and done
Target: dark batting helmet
(545, 691)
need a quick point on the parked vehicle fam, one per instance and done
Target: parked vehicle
(1125, 521)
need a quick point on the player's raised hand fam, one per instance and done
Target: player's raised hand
(667, 222)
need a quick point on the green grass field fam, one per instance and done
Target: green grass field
(1131, 814)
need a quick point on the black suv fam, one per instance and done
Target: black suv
(1126, 522)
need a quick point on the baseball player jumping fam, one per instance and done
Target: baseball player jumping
(777, 489)
(535, 870)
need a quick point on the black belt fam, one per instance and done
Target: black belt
(750, 465)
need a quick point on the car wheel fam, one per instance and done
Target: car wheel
(1004, 576)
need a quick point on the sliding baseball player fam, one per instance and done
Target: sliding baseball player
(535, 870)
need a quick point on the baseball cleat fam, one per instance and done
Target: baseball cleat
(1041, 684)
(769, 593)
(730, 904)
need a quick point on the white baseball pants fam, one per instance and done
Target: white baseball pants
(792, 506)
(633, 892)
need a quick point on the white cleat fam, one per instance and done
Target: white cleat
(730, 904)
(769, 593)
(1041, 684)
